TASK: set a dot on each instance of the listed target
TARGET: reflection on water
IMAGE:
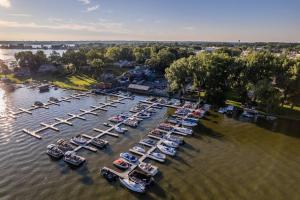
(2, 102)
(225, 159)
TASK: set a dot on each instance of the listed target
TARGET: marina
(210, 150)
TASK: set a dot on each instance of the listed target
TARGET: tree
(113, 54)
(267, 95)
(55, 58)
(97, 65)
(75, 58)
(26, 59)
(161, 60)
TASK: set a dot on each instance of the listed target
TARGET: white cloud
(19, 15)
(93, 8)
(96, 27)
(189, 28)
(85, 1)
(5, 3)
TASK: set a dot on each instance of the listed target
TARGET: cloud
(85, 1)
(5, 3)
(19, 15)
(189, 28)
(93, 8)
(96, 27)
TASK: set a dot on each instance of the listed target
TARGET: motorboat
(38, 103)
(64, 145)
(182, 111)
(167, 150)
(170, 143)
(158, 155)
(139, 149)
(108, 175)
(165, 127)
(151, 110)
(156, 133)
(189, 122)
(184, 130)
(54, 151)
(116, 119)
(71, 158)
(53, 99)
(173, 120)
(120, 163)
(148, 168)
(99, 142)
(129, 157)
(78, 139)
(199, 113)
(144, 115)
(131, 123)
(148, 141)
(106, 124)
(141, 177)
(178, 140)
(133, 186)
(120, 130)
(44, 88)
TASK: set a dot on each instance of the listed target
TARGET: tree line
(260, 77)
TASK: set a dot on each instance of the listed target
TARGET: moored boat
(99, 142)
(64, 145)
(133, 186)
(108, 175)
(139, 149)
(54, 151)
(170, 143)
(38, 103)
(148, 168)
(120, 163)
(78, 139)
(71, 158)
(148, 141)
(120, 130)
(158, 155)
(167, 150)
(184, 130)
(44, 88)
(129, 157)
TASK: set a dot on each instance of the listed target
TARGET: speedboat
(156, 133)
(106, 124)
(182, 111)
(116, 119)
(129, 157)
(189, 122)
(141, 177)
(99, 142)
(120, 163)
(178, 140)
(64, 145)
(167, 150)
(131, 123)
(144, 115)
(170, 143)
(71, 158)
(173, 120)
(53, 99)
(184, 130)
(54, 151)
(108, 175)
(148, 141)
(133, 186)
(158, 155)
(78, 139)
(165, 127)
(120, 130)
(148, 168)
(139, 149)
(38, 103)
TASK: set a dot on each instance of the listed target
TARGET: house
(124, 63)
(138, 88)
(47, 68)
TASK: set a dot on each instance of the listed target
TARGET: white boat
(184, 130)
(188, 123)
(148, 168)
(167, 150)
(79, 140)
(133, 186)
(170, 143)
(178, 140)
(158, 155)
(139, 149)
(72, 158)
(120, 130)
(144, 115)
(222, 110)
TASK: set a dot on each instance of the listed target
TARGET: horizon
(155, 21)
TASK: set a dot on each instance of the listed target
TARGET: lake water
(226, 158)
(8, 55)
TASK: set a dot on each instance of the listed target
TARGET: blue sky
(201, 20)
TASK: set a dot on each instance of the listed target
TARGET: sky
(151, 20)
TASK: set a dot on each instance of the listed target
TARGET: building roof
(138, 87)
